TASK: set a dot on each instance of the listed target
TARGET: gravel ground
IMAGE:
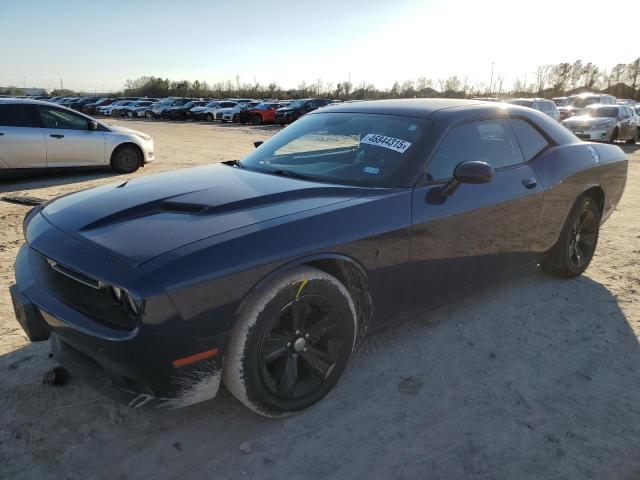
(531, 378)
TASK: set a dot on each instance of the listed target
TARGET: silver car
(605, 123)
(542, 104)
(35, 134)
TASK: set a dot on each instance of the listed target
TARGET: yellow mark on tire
(304, 282)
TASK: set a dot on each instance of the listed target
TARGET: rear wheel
(208, 117)
(126, 159)
(291, 343)
(573, 251)
(256, 119)
(148, 114)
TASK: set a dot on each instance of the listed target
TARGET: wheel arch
(597, 193)
(345, 269)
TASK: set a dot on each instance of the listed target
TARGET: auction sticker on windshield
(391, 143)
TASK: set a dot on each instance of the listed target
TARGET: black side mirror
(472, 172)
(257, 143)
(93, 125)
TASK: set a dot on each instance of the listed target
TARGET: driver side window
(490, 141)
(61, 119)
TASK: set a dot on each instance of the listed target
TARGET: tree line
(549, 81)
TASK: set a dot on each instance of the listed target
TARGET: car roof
(24, 100)
(413, 107)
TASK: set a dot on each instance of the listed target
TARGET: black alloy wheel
(301, 348)
(582, 243)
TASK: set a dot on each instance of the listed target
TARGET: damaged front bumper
(156, 365)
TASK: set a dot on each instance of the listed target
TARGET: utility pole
(61, 87)
(491, 82)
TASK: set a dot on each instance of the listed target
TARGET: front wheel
(635, 136)
(573, 251)
(614, 135)
(257, 119)
(291, 343)
(126, 159)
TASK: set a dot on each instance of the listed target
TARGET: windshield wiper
(234, 163)
(289, 173)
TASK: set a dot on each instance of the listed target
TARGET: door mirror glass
(473, 172)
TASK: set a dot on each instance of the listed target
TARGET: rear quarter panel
(568, 171)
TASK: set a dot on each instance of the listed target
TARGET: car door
(479, 231)
(69, 141)
(624, 122)
(22, 142)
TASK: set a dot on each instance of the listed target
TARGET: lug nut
(288, 344)
(297, 332)
(304, 349)
(306, 335)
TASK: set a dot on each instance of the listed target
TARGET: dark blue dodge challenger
(265, 272)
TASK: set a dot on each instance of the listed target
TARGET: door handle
(530, 182)
(56, 135)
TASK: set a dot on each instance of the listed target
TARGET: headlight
(604, 125)
(124, 298)
(116, 293)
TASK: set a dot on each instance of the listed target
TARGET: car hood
(285, 110)
(140, 219)
(587, 120)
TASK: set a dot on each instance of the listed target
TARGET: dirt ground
(531, 378)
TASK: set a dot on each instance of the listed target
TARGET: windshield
(611, 112)
(355, 149)
(584, 101)
(297, 104)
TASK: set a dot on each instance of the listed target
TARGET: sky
(97, 45)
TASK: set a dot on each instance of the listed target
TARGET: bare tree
(633, 74)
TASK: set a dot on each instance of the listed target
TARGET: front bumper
(591, 134)
(133, 367)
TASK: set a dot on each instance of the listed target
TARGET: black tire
(634, 139)
(126, 159)
(235, 118)
(614, 136)
(290, 343)
(115, 113)
(148, 114)
(572, 253)
(256, 119)
(208, 117)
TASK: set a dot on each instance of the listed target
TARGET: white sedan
(41, 135)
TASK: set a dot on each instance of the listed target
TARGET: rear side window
(490, 141)
(15, 116)
(531, 141)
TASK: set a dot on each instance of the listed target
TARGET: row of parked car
(591, 116)
(238, 110)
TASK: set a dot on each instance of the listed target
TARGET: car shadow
(42, 179)
(532, 377)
